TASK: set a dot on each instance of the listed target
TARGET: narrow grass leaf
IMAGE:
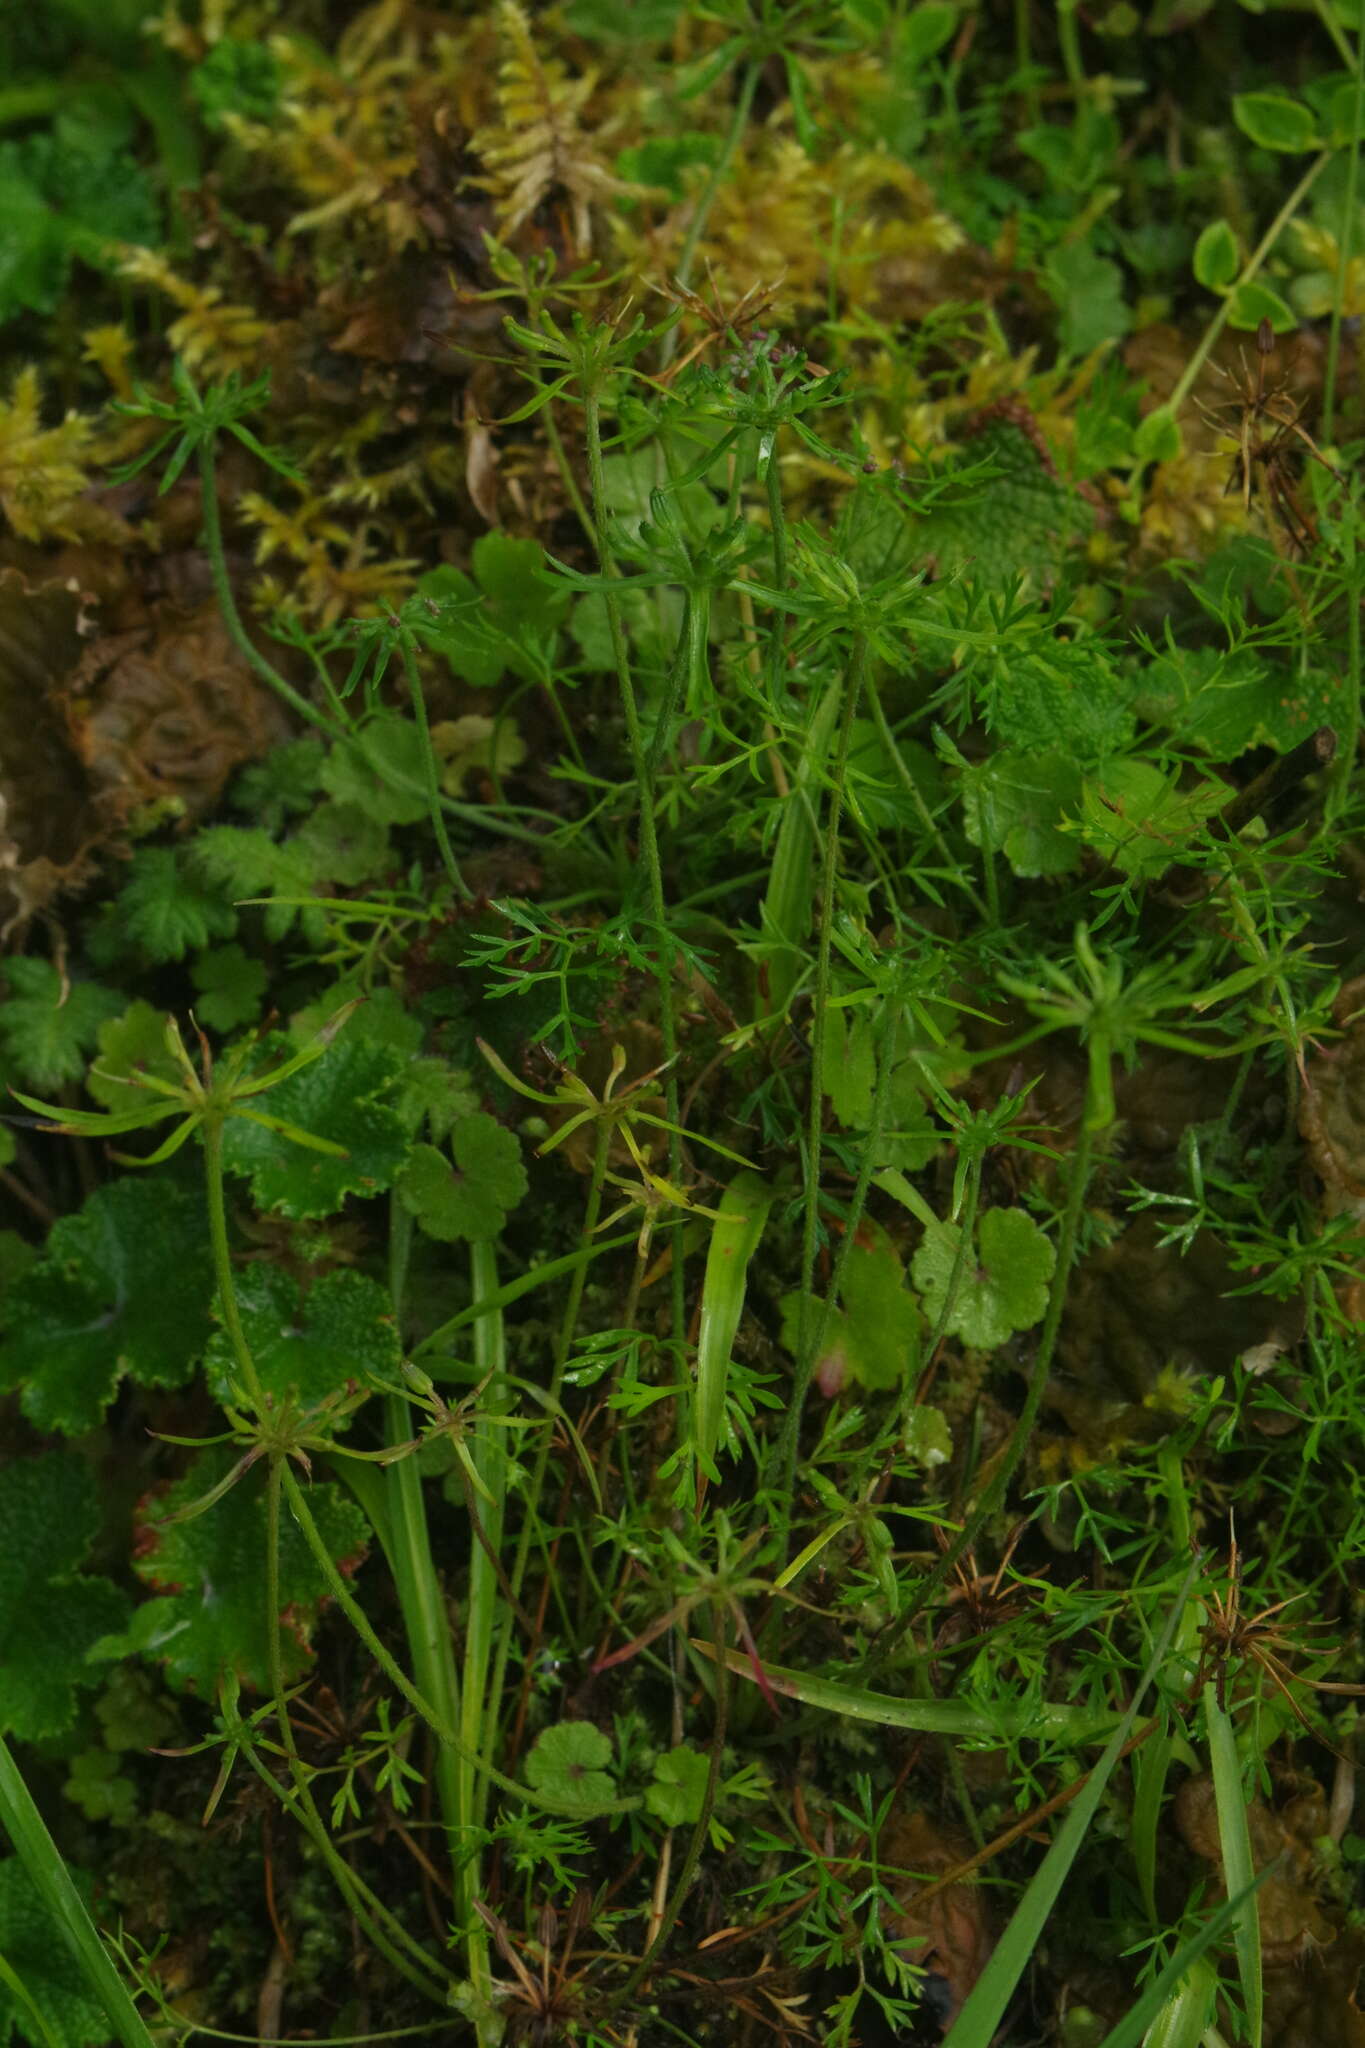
(39, 1855)
(735, 1234)
(1151, 1766)
(1132, 2028)
(1239, 1869)
(984, 2007)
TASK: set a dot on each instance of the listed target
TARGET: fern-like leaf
(536, 146)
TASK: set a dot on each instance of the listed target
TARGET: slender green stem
(429, 768)
(784, 1456)
(697, 1840)
(1249, 271)
(912, 789)
(479, 1707)
(1344, 247)
(1343, 770)
(815, 1116)
(211, 1131)
(744, 99)
(227, 602)
(394, 1672)
(649, 837)
(389, 1934)
(777, 630)
(999, 1484)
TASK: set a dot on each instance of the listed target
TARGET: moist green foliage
(309, 1341)
(48, 1027)
(470, 1194)
(345, 1099)
(51, 1613)
(123, 1288)
(208, 1618)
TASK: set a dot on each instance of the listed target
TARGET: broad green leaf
(1275, 122)
(1014, 803)
(342, 845)
(1216, 257)
(1075, 701)
(343, 1097)
(209, 1575)
(383, 774)
(1139, 820)
(123, 1286)
(568, 1761)
(874, 1337)
(1002, 1284)
(1225, 702)
(470, 1194)
(166, 911)
(309, 1341)
(922, 34)
(1254, 302)
(51, 1614)
(848, 1072)
(34, 1944)
(1158, 438)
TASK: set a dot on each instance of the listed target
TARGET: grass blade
(1161, 1991)
(739, 1224)
(984, 2007)
(39, 1855)
(1239, 1869)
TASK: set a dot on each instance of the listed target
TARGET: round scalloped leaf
(123, 1287)
(470, 1199)
(1002, 1290)
(567, 1760)
(35, 1947)
(1016, 802)
(309, 1341)
(210, 1572)
(50, 1614)
(340, 1097)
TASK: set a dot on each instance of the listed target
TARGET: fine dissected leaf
(209, 1574)
(311, 1341)
(343, 1097)
(34, 1944)
(50, 1613)
(471, 1197)
(1002, 1289)
(873, 1338)
(123, 1286)
(568, 1761)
